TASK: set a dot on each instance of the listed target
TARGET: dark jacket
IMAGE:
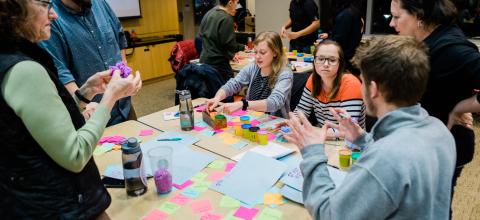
(455, 73)
(32, 185)
(201, 79)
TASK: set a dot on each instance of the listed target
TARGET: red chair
(181, 54)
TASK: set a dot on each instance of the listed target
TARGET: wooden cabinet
(151, 60)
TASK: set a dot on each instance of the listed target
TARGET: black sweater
(455, 73)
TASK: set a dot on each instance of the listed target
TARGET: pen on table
(170, 139)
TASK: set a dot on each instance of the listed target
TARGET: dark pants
(456, 174)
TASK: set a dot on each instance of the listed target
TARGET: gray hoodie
(405, 172)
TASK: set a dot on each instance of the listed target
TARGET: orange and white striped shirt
(349, 97)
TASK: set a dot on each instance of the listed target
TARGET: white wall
(251, 6)
(271, 15)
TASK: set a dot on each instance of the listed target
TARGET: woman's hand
(96, 84)
(229, 108)
(119, 87)
(462, 119)
(303, 133)
(89, 110)
(350, 129)
(212, 103)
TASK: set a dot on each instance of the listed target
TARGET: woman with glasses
(46, 165)
(268, 79)
(329, 86)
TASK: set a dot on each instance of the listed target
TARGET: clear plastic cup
(161, 165)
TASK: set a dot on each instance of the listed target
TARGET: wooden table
(124, 207)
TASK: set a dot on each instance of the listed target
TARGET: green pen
(170, 139)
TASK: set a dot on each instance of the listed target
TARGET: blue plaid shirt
(87, 42)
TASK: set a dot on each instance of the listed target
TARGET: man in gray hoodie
(406, 168)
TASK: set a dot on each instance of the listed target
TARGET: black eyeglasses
(48, 3)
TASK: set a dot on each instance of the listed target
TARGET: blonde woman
(268, 79)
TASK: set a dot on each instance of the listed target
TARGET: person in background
(46, 167)
(408, 161)
(304, 23)
(269, 80)
(329, 86)
(347, 29)
(455, 67)
(87, 38)
(218, 38)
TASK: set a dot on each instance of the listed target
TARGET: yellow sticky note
(236, 119)
(257, 113)
(224, 135)
(272, 198)
(230, 140)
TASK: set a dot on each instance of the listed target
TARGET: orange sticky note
(272, 198)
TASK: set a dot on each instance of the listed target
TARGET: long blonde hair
(279, 61)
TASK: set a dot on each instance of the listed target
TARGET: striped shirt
(349, 97)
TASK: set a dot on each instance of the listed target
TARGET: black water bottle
(133, 168)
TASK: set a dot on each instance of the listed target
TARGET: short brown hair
(317, 79)
(399, 65)
(13, 14)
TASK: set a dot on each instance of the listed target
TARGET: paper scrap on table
(217, 164)
(190, 193)
(199, 176)
(254, 123)
(231, 140)
(200, 186)
(146, 132)
(269, 214)
(258, 114)
(272, 198)
(185, 140)
(201, 206)
(197, 128)
(218, 131)
(201, 123)
(167, 116)
(239, 113)
(169, 207)
(246, 213)
(239, 145)
(114, 171)
(116, 139)
(229, 202)
(200, 108)
(251, 177)
(271, 137)
(229, 166)
(155, 214)
(180, 199)
(210, 216)
(230, 216)
(208, 132)
(216, 176)
(105, 147)
(183, 185)
(292, 194)
(272, 150)
(230, 123)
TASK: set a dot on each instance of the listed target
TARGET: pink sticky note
(201, 206)
(156, 214)
(216, 176)
(254, 123)
(210, 216)
(271, 136)
(146, 132)
(180, 199)
(229, 166)
(272, 117)
(197, 128)
(246, 213)
(200, 108)
(239, 113)
(230, 123)
(184, 185)
(218, 131)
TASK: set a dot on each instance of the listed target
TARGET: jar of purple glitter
(161, 164)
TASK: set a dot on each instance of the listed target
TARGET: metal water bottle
(186, 110)
(133, 168)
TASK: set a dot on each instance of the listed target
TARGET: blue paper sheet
(292, 194)
(185, 162)
(253, 175)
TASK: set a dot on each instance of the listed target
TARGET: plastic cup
(294, 52)
(253, 134)
(344, 158)
(246, 131)
(245, 119)
(238, 128)
(355, 156)
(161, 164)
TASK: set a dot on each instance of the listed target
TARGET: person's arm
(124, 56)
(309, 29)
(457, 115)
(47, 118)
(283, 30)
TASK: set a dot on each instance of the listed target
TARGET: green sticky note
(103, 149)
(269, 214)
(200, 186)
(169, 207)
(199, 177)
(217, 164)
(229, 202)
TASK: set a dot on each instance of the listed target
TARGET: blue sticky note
(201, 123)
(251, 177)
(292, 194)
(239, 145)
(208, 132)
(114, 171)
(190, 193)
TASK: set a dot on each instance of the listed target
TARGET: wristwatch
(245, 104)
(81, 97)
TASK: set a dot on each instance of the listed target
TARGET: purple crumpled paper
(124, 69)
